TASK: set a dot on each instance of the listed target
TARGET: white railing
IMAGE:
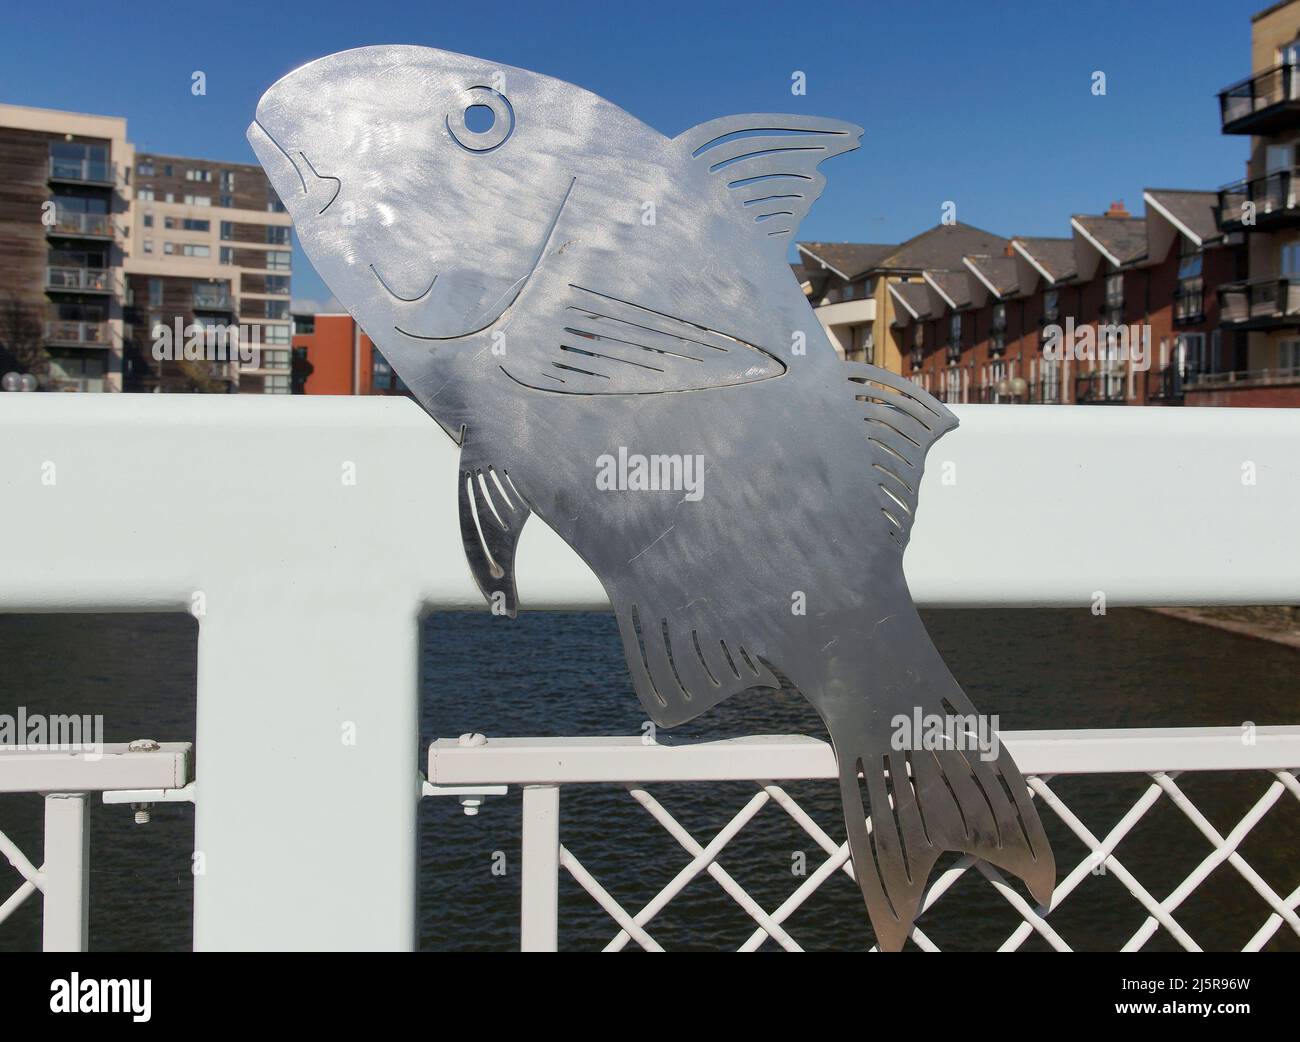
(306, 640)
(66, 781)
(542, 766)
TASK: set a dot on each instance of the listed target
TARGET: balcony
(1169, 384)
(1271, 199)
(81, 225)
(83, 172)
(78, 280)
(213, 298)
(1267, 303)
(847, 312)
(60, 333)
(1265, 103)
(1045, 392)
(1100, 388)
(1189, 302)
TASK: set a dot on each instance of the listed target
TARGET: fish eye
(481, 120)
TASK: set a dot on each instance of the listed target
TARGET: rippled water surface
(562, 674)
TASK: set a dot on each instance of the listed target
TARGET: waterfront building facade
(102, 250)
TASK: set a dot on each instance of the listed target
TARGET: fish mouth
(493, 313)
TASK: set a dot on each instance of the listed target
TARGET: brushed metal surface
(565, 286)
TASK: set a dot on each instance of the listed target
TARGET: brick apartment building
(1211, 280)
(973, 326)
(332, 355)
(101, 247)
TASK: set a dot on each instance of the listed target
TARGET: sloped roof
(998, 272)
(1197, 211)
(915, 295)
(954, 285)
(849, 259)
(941, 248)
(1054, 256)
(1124, 238)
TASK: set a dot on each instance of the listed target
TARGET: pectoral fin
(492, 515)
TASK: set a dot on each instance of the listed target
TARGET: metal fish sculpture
(603, 319)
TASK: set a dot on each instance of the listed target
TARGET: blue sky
(986, 104)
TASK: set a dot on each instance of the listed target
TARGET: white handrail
(309, 535)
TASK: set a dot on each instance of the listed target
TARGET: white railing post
(306, 819)
(539, 904)
(64, 876)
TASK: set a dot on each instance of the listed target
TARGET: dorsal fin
(768, 166)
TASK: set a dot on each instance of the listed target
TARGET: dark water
(563, 674)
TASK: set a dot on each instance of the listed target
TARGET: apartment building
(1265, 305)
(1118, 313)
(852, 285)
(102, 248)
(210, 247)
(64, 226)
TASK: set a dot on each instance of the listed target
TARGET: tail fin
(928, 793)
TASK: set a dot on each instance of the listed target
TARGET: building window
(954, 331)
(276, 335)
(1288, 356)
(146, 245)
(1051, 305)
(1115, 290)
(148, 220)
(277, 235)
(144, 195)
(198, 200)
(167, 170)
(275, 359)
(227, 180)
(155, 293)
(277, 308)
(227, 230)
(226, 201)
(305, 324)
(278, 284)
(279, 260)
(198, 175)
(145, 168)
(1289, 259)
(227, 255)
(275, 385)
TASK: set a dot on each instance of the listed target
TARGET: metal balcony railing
(84, 334)
(89, 225)
(1261, 202)
(1105, 387)
(209, 299)
(1263, 103)
(1045, 392)
(1170, 384)
(83, 171)
(1264, 303)
(279, 674)
(79, 280)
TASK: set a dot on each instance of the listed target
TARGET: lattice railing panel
(1102, 855)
